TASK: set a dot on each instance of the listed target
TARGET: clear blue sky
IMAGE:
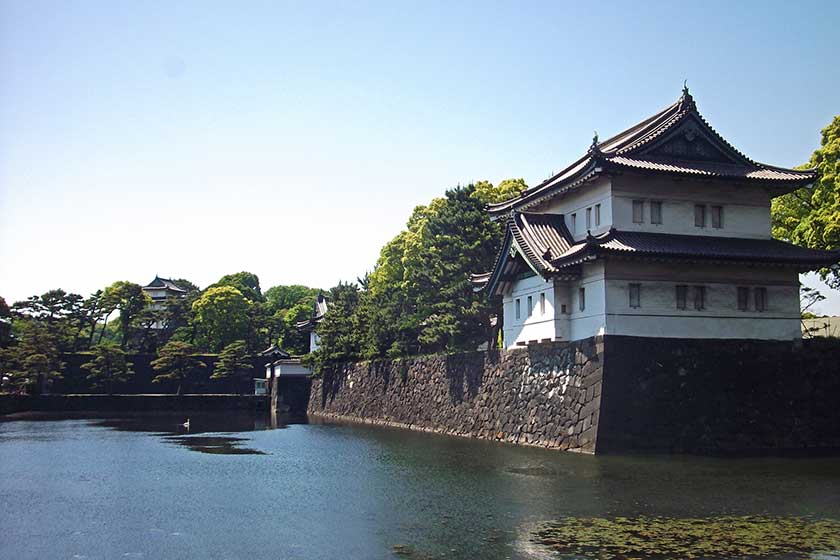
(193, 139)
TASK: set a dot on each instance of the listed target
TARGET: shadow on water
(215, 445)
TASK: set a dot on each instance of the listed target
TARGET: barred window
(589, 218)
(635, 295)
(699, 297)
(699, 215)
(582, 299)
(656, 212)
(717, 217)
(682, 296)
(574, 223)
(743, 299)
(542, 303)
(518, 308)
(638, 212)
(761, 299)
(597, 215)
(530, 306)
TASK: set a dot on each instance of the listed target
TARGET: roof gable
(693, 140)
(674, 141)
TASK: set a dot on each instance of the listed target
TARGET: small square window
(717, 217)
(682, 296)
(743, 299)
(530, 306)
(518, 308)
(589, 218)
(582, 299)
(542, 304)
(597, 215)
(638, 212)
(699, 298)
(700, 215)
(761, 299)
(635, 295)
(563, 308)
(656, 212)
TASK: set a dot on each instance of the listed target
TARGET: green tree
(286, 297)
(507, 189)
(221, 316)
(32, 356)
(247, 283)
(338, 332)
(176, 361)
(109, 367)
(810, 216)
(233, 363)
(408, 306)
(458, 240)
(5, 323)
(130, 299)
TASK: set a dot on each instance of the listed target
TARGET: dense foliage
(810, 216)
(233, 362)
(418, 298)
(108, 367)
(120, 320)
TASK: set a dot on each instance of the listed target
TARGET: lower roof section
(696, 247)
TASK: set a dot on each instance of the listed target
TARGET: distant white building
(319, 309)
(160, 290)
(660, 231)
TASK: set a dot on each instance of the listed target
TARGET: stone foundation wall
(612, 394)
(546, 395)
(721, 396)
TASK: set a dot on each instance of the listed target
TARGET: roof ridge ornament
(594, 149)
(687, 100)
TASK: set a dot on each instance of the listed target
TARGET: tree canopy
(109, 367)
(222, 316)
(810, 216)
(418, 298)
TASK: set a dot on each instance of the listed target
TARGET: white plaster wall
(314, 341)
(287, 368)
(532, 325)
(592, 320)
(577, 201)
(746, 208)
(658, 315)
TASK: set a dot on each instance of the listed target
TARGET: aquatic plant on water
(665, 538)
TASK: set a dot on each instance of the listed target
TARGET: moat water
(143, 487)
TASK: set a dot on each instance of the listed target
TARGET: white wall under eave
(590, 321)
(746, 208)
(576, 202)
(532, 325)
(314, 341)
(658, 315)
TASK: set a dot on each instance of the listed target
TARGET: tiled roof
(694, 247)
(538, 238)
(319, 309)
(708, 169)
(543, 237)
(159, 282)
(676, 140)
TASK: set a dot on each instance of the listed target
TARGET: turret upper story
(635, 202)
(672, 173)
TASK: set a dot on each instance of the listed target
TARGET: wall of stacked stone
(720, 396)
(612, 394)
(545, 395)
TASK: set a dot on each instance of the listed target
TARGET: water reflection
(232, 487)
(216, 445)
